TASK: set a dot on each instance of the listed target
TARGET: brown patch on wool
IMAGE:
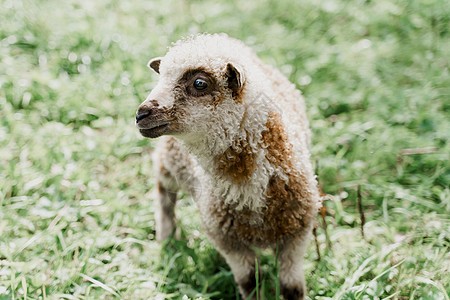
(190, 76)
(237, 163)
(186, 95)
(288, 201)
(288, 205)
(280, 220)
(279, 150)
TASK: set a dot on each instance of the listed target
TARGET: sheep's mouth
(155, 131)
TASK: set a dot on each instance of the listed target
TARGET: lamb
(236, 137)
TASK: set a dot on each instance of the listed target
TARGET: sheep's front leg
(292, 278)
(242, 263)
(165, 212)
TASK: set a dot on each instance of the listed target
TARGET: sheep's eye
(200, 84)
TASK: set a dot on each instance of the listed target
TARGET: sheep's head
(199, 92)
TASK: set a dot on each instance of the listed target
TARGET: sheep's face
(191, 102)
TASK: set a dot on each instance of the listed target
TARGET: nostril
(140, 117)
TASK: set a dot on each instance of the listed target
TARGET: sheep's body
(242, 151)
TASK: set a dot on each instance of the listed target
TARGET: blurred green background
(76, 211)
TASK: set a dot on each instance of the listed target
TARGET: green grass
(76, 207)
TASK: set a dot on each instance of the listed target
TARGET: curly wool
(244, 156)
(265, 90)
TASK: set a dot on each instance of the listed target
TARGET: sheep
(235, 135)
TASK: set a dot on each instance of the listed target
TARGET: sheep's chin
(155, 132)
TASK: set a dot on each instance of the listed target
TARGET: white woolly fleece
(221, 127)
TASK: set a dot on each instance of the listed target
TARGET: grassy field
(76, 204)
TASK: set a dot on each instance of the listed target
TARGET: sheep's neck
(235, 159)
(238, 174)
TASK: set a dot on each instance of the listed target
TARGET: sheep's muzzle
(151, 120)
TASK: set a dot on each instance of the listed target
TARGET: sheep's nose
(141, 116)
(146, 109)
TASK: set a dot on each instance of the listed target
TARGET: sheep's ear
(235, 76)
(154, 64)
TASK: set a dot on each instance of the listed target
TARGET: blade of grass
(257, 278)
(437, 285)
(379, 275)
(277, 270)
(24, 287)
(363, 269)
(44, 293)
(100, 284)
